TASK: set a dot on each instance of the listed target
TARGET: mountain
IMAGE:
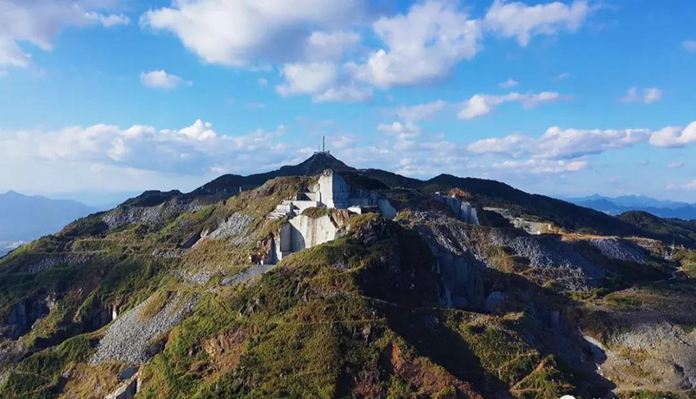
(449, 287)
(677, 231)
(618, 205)
(24, 218)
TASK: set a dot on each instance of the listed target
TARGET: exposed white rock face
(462, 210)
(530, 226)
(304, 232)
(334, 191)
(127, 390)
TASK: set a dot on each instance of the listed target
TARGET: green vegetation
(39, 375)
(360, 316)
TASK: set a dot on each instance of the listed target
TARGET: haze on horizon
(567, 98)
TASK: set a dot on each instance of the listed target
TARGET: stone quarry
(331, 192)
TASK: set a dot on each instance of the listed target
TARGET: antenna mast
(323, 143)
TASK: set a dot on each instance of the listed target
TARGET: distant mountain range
(626, 203)
(25, 218)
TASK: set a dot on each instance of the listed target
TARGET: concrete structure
(463, 210)
(331, 191)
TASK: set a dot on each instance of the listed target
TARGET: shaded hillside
(681, 232)
(491, 193)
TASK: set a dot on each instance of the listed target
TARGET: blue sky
(564, 98)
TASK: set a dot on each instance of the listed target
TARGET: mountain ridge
(621, 204)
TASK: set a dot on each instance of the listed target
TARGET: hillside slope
(168, 295)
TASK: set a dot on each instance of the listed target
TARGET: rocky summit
(320, 280)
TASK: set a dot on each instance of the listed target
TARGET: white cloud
(516, 19)
(689, 45)
(647, 95)
(690, 185)
(108, 21)
(512, 145)
(559, 144)
(349, 92)
(193, 150)
(322, 46)
(40, 21)
(307, 78)
(542, 166)
(419, 112)
(322, 81)
(508, 84)
(674, 136)
(402, 131)
(483, 104)
(160, 79)
(676, 165)
(249, 32)
(422, 45)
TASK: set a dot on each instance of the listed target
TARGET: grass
(39, 375)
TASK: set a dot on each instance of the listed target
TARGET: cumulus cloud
(160, 79)
(40, 21)
(543, 166)
(415, 113)
(559, 144)
(362, 45)
(422, 45)
(508, 84)
(321, 80)
(483, 104)
(689, 45)
(674, 136)
(248, 32)
(647, 95)
(402, 131)
(335, 45)
(516, 19)
(193, 150)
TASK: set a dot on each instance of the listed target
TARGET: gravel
(248, 274)
(52, 261)
(154, 215)
(554, 259)
(128, 339)
(234, 226)
(669, 354)
(614, 248)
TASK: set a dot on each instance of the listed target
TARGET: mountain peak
(315, 164)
